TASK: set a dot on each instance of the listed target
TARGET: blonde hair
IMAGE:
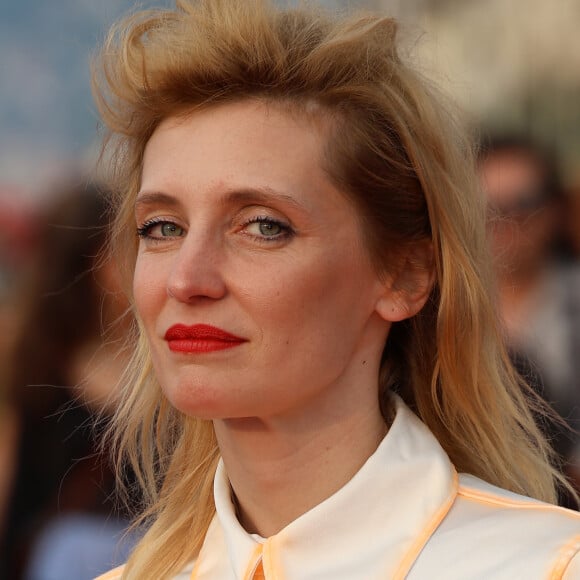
(397, 152)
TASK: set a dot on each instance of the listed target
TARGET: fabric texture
(405, 514)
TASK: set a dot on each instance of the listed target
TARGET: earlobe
(393, 308)
(405, 293)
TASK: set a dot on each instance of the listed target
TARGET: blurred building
(512, 65)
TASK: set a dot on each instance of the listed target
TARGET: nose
(196, 272)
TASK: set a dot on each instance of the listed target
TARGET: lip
(200, 338)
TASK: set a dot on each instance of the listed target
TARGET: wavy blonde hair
(397, 152)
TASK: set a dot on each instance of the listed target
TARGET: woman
(318, 353)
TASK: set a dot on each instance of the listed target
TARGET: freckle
(364, 362)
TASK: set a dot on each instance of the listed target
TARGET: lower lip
(201, 345)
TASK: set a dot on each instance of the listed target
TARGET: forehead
(241, 146)
(252, 140)
(234, 132)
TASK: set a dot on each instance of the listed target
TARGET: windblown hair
(398, 153)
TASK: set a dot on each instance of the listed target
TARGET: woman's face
(252, 282)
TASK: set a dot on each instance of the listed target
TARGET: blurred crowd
(65, 322)
(62, 356)
(534, 236)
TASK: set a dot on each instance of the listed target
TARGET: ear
(408, 285)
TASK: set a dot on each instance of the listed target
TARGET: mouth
(200, 338)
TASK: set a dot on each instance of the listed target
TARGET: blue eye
(159, 229)
(267, 229)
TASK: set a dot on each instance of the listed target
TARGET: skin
(250, 235)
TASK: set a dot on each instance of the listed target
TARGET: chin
(201, 401)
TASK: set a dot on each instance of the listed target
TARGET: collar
(373, 527)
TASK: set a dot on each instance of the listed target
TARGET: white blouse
(405, 514)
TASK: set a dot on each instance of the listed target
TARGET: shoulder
(504, 503)
(493, 533)
(114, 574)
(536, 521)
(522, 531)
(117, 573)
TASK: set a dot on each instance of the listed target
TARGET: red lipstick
(200, 338)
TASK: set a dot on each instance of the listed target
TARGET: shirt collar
(372, 527)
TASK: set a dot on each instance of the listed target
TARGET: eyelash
(143, 231)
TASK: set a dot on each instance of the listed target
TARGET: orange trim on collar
(416, 548)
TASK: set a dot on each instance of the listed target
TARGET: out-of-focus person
(574, 217)
(17, 235)
(67, 358)
(538, 276)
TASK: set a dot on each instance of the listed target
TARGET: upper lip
(200, 332)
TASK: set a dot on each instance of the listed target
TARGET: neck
(279, 469)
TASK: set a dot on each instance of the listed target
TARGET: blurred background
(510, 65)
(513, 67)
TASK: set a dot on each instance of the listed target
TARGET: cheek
(148, 289)
(314, 299)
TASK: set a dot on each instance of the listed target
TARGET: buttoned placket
(255, 567)
(259, 572)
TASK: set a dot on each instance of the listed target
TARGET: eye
(267, 229)
(157, 229)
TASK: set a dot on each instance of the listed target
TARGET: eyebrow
(156, 198)
(258, 195)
